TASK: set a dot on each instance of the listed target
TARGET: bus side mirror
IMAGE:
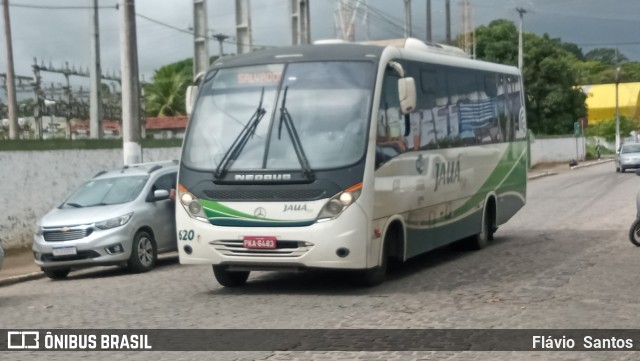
(407, 94)
(190, 98)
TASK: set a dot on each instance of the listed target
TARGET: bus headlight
(191, 204)
(338, 203)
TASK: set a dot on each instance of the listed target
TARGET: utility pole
(448, 20)
(617, 111)
(243, 26)
(221, 38)
(12, 105)
(200, 41)
(521, 11)
(468, 36)
(95, 73)
(429, 31)
(131, 147)
(407, 18)
(300, 33)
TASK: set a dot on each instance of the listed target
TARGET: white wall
(557, 150)
(33, 182)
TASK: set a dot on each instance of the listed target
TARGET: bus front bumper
(340, 243)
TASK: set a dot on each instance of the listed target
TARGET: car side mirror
(160, 194)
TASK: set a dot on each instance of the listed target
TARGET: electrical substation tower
(345, 16)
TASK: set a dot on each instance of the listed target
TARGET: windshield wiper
(285, 118)
(241, 140)
(76, 205)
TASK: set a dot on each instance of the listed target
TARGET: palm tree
(166, 95)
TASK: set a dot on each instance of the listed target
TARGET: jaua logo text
(295, 208)
(447, 173)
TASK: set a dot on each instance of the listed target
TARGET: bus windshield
(325, 104)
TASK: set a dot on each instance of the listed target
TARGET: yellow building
(601, 101)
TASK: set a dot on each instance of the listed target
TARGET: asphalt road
(563, 262)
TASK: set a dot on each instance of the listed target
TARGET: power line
(603, 44)
(165, 24)
(58, 7)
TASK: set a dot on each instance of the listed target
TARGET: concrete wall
(33, 182)
(556, 150)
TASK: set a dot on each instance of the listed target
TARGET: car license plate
(64, 251)
(259, 242)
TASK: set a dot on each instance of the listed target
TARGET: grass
(56, 144)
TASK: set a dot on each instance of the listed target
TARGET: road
(563, 262)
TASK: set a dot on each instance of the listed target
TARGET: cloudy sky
(59, 31)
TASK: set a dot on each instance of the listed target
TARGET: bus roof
(335, 50)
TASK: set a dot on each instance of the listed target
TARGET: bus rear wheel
(230, 278)
(480, 240)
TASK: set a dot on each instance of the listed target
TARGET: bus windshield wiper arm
(285, 118)
(241, 140)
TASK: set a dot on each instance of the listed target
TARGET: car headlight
(338, 203)
(39, 231)
(191, 204)
(114, 222)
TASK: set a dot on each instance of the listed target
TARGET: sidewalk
(19, 266)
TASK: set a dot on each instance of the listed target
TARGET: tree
(606, 56)
(574, 49)
(552, 100)
(607, 128)
(165, 96)
(498, 42)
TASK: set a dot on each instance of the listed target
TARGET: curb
(21, 278)
(540, 175)
(593, 163)
(584, 165)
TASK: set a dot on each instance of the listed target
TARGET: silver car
(628, 157)
(121, 217)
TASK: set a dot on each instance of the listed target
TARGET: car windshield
(107, 191)
(327, 106)
(630, 148)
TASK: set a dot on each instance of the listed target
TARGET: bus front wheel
(376, 275)
(230, 278)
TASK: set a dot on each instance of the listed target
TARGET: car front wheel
(57, 274)
(143, 253)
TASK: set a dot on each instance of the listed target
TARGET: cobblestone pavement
(563, 262)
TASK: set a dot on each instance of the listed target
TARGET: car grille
(48, 257)
(284, 249)
(58, 235)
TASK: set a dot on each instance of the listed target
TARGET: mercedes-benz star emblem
(260, 212)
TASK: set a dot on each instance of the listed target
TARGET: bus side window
(389, 141)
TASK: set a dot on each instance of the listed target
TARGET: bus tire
(480, 240)
(376, 275)
(230, 278)
(634, 232)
